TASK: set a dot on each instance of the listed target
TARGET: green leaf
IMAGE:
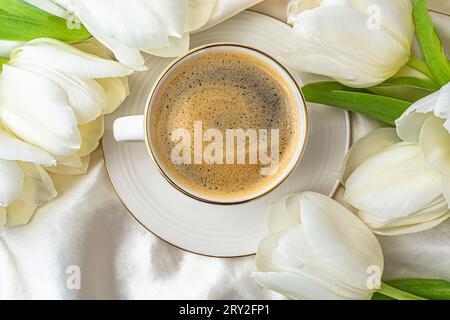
(404, 93)
(430, 43)
(382, 108)
(2, 62)
(426, 288)
(420, 66)
(380, 296)
(412, 82)
(388, 292)
(21, 21)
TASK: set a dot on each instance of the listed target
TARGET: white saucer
(221, 231)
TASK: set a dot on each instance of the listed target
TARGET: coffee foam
(225, 90)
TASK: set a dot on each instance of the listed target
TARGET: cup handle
(129, 129)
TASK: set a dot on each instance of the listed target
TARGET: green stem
(334, 94)
(397, 294)
(2, 62)
(430, 43)
(420, 66)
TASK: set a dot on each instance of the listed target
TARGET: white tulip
(400, 186)
(157, 27)
(6, 46)
(360, 43)
(427, 123)
(52, 95)
(24, 184)
(392, 186)
(318, 250)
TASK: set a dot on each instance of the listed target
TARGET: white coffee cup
(136, 128)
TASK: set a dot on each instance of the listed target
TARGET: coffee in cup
(225, 124)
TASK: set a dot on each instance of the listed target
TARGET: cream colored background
(87, 226)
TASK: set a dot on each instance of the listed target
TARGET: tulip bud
(24, 184)
(67, 92)
(427, 123)
(157, 27)
(358, 43)
(392, 186)
(320, 251)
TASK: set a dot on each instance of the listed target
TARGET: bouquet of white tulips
(52, 100)
(57, 124)
(396, 181)
(318, 249)
(64, 65)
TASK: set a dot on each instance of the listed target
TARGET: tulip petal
(426, 218)
(130, 57)
(224, 10)
(11, 182)
(294, 286)
(339, 239)
(38, 186)
(7, 46)
(73, 161)
(295, 7)
(446, 188)
(284, 214)
(80, 169)
(373, 53)
(2, 216)
(322, 64)
(127, 27)
(198, 14)
(310, 204)
(365, 148)
(395, 17)
(175, 47)
(293, 252)
(51, 7)
(19, 213)
(288, 252)
(414, 228)
(41, 117)
(86, 97)
(12, 148)
(117, 89)
(93, 46)
(264, 254)
(394, 183)
(442, 108)
(69, 60)
(330, 250)
(91, 133)
(435, 144)
(409, 125)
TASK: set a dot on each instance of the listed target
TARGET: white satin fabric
(88, 232)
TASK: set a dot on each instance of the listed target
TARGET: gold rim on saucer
(167, 241)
